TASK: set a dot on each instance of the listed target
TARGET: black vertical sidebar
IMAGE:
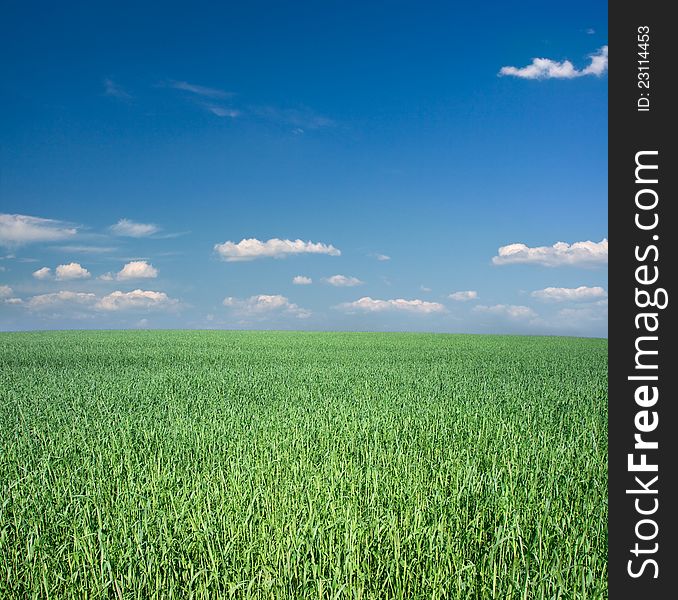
(643, 348)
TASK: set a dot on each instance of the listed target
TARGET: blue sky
(411, 160)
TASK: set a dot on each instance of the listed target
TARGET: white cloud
(577, 316)
(5, 291)
(127, 228)
(60, 299)
(265, 304)
(579, 294)
(199, 90)
(302, 280)
(252, 248)
(84, 249)
(221, 111)
(137, 269)
(425, 289)
(561, 253)
(111, 88)
(382, 257)
(13, 301)
(43, 273)
(70, 271)
(106, 277)
(137, 299)
(342, 281)
(508, 310)
(23, 229)
(545, 68)
(464, 296)
(370, 305)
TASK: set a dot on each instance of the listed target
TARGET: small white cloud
(370, 305)
(382, 257)
(302, 280)
(43, 273)
(221, 111)
(60, 299)
(425, 289)
(464, 296)
(545, 68)
(509, 310)
(263, 305)
(13, 301)
(579, 294)
(112, 89)
(106, 277)
(71, 271)
(5, 291)
(137, 269)
(252, 248)
(342, 281)
(590, 31)
(16, 230)
(199, 90)
(137, 299)
(561, 253)
(127, 228)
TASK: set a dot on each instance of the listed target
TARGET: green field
(302, 465)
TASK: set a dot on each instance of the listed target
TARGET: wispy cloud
(507, 310)
(578, 294)
(343, 281)
(299, 118)
(561, 253)
(464, 296)
(200, 90)
(85, 249)
(252, 248)
(221, 111)
(371, 305)
(128, 228)
(545, 68)
(17, 230)
(263, 305)
(6, 291)
(114, 90)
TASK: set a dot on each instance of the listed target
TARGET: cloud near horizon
(586, 253)
(263, 305)
(16, 230)
(115, 301)
(252, 248)
(545, 68)
(370, 305)
(507, 310)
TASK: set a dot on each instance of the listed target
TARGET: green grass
(302, 465)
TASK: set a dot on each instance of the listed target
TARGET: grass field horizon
(288, 464)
